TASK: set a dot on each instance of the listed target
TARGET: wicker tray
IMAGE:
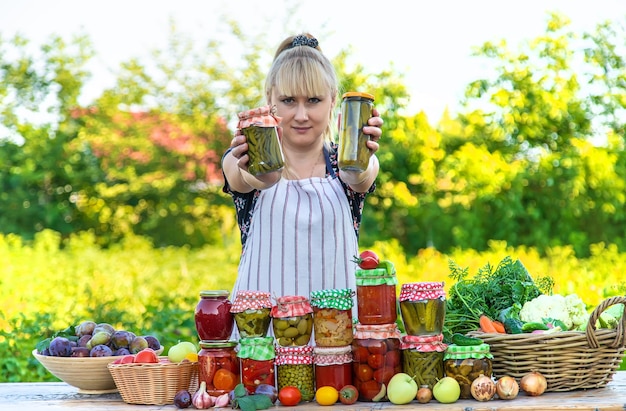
(569, 360)
(154, 384)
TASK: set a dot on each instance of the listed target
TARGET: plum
(60, 347)
(101, 351)
(121, 352)
(104, 327)
(138, 344)
(182, 399)
(85, 328)
(83, 340)
(267, 389)
(153, 342)
(80, 352)
(121, 339)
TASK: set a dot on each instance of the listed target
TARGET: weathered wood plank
(60, 396)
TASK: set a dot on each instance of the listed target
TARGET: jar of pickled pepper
(218, 366)
(375, 359)
(376, 295)
(292, 320)
(333, 366)
(257, 357)
(251, 310)
(466, 363)
(213, 319)
(423, 307)
(422, 358)
(294, 367)
(332, 317)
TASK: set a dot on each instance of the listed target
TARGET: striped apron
(301, 239)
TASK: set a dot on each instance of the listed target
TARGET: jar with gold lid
(218, 366)
(466, 363)
(212, 316)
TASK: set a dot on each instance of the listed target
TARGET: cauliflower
(570, 309)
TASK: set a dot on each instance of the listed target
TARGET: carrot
(499, 327)
(486, 324)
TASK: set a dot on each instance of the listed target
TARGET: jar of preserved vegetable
(294, 367)
(257, 357)
(466, 363)
(332, 317)
(214, 321)
(218, 366)
(292, 320)
(423, 307)
(333, 366)
(251, 310)
(356, 110)
(375, 359)
(422, 358)
(376, 295)
(260, 126)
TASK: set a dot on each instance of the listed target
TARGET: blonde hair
(303, 70)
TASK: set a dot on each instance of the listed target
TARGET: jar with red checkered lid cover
(292, 320)
(251, 310)
(423, 308)
(294, 367)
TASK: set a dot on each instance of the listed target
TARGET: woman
(300, 225)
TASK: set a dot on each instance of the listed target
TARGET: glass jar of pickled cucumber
(292, 320)
(466, 363)
(218, 366)
(260, 126)
(251, 310)
(375, 359)
(333, 366)
(423, 307)
(214, 321)
(332, 317)
(257, 357)
(422, 358)
(356, 110)
(376, 295)
(294, 367)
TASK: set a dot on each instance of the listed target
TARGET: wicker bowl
(89, 374)
(154, 384)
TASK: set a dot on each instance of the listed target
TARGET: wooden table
(60, 396)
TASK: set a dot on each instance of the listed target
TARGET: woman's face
(304, 118)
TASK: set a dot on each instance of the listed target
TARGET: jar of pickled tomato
(465, 363)
(294, 367)
(257, 357)
(376, 295)
(214, 321)
(422, 358)
(292, 320)
(251, 310)
(423, 307)
(375, 359)
(333, 366)
(332, 317)
(218, 366)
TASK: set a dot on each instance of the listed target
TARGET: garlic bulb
(202, 399)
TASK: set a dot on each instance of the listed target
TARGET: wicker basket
(569, 360)
(154, 384)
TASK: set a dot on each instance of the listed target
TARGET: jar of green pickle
(422, 358)
(423, 307)
(292, 320)
(251, 310)
(332, 317)
(294, 367)
(466, 363)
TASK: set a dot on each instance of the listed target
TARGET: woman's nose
(301, 112)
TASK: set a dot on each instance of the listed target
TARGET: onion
(507, 388)
(424, 394)
(533, 383)
(483, 388)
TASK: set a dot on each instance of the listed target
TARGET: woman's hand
(373, 129)
(239, 150)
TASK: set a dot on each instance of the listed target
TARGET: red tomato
(392, 358)
(360, 354)
(368, 390)
(289, 396)
(367, 260)
(348, 394)
(377, 347)
(375, 361)
(364, 372)
(383, 375)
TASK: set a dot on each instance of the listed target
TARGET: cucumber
(513, 326)
(460, 339)
(533, 326)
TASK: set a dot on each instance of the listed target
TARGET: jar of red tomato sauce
(294, 367)
(218, 366)
(333, 366)
(375, 359)
(257, 357)
(376, 295)
(214, 321)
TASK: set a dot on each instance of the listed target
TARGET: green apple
(447, 390)
(178, 352)
(401, 389)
